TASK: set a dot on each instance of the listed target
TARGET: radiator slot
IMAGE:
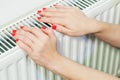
(8, 42)
(87, 50)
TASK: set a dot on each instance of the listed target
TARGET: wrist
(102, 27)
(46, 59)
(57, 65)
(98, 26)
(53, 63)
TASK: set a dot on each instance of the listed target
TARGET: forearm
(110, 33)
(73, 71)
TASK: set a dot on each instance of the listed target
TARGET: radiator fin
(89, 51)
(7, 42)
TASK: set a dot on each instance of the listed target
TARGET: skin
(36, 41)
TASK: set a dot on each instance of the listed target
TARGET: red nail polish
(13, 34)
(39, 18)
(43, 27)
(54, 27)
(39, 11)
(14, 31)
(22, 27)
(44, 9)
(17, 40)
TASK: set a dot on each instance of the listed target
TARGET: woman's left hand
(69, 20)
(39, 44)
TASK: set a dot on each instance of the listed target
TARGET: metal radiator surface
(87, 50)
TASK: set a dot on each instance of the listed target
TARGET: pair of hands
(41, 44)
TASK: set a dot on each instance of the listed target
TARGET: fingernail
(39, 18)
(22, 27)
(43, 27)
(13, 34)
(55, 5)
(14, 31)
(39, 11)
(44, 9)
(54, 27)
(17, 40)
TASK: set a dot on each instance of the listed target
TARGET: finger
(49, 32)
(34, 31)
(54, 10)
(27, 34)
(25, 40)
(63, 29)
(62, 7)
(26, 48)
(52, 20)
(67, 8)
(52, 14)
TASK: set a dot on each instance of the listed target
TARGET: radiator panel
(87, 50)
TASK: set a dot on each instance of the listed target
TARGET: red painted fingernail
(22, 27)
(14, 31)
(44, 9)
(13, 34)
(39, 11)
(54, 27)
(43, 27)
(17, 40)
(39, 18)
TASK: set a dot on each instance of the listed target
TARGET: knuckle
(20, 32)
(21, 38)
(25, 39)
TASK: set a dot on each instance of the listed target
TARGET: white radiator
(87, 50)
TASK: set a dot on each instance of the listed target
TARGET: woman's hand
(40, 45)
(69, 20)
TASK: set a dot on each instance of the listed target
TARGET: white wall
(10, 9)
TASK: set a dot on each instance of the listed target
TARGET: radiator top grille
(7, 42)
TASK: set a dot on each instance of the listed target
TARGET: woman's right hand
(69, 20)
